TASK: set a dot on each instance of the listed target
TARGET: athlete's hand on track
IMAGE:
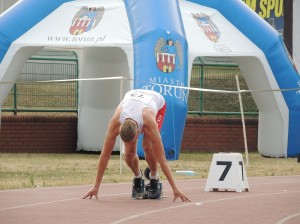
(178, 194)
(92, 192)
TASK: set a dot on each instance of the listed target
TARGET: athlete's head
(128, 130)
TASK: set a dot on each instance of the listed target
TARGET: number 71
(227, 165)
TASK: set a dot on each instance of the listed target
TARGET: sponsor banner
(269, 10)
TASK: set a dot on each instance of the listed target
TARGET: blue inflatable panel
(160, 63)
(271, 43)
(22, 17)
(161, 51)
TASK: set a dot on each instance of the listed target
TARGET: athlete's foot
(154, 189)
(137, 186)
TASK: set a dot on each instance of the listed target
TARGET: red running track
(274, 200)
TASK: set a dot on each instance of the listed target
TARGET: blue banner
(161, 64)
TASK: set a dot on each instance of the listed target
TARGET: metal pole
(243, 119)
(121, 149)
(15, 99)
(201, 86)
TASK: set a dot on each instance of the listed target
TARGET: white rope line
(160, 84)
(65, 80)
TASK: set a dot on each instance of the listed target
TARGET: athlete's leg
(149, 156)
(153, 186)
(131, 158)
(147, 145)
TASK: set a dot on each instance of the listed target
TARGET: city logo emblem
(86, 19)
(168, 54)
(207, 26)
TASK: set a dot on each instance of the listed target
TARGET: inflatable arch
(154, 43)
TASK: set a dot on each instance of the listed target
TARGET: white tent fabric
(254, 67)
(114, 59)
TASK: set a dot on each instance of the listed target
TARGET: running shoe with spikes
(154, 189)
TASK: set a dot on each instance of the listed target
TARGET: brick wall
(58, 134)
(53, 134)
(219, 135)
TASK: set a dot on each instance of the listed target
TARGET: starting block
(146, 194)
(227, 173)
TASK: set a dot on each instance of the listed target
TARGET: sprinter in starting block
(141, 112)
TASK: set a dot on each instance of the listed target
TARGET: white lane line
(36, 204)
(71, 199)
(197, 204)
(288, 218)
(58, 187)
(267, 178)
(52, 202)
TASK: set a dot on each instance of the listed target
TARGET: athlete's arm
(152, 132)
(109, 142)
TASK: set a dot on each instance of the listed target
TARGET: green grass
(46, 170)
